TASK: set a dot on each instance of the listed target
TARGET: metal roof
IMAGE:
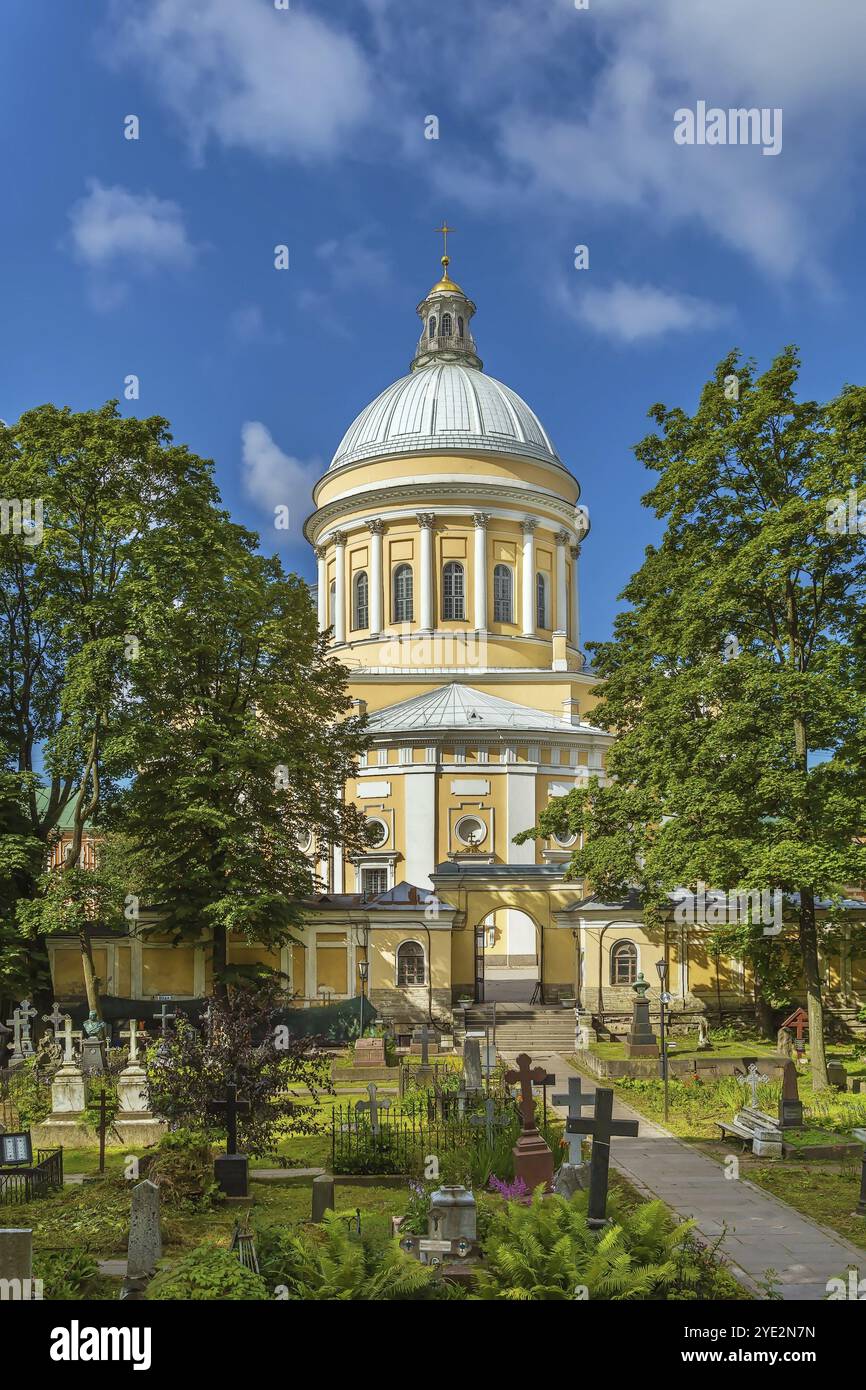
(457, 706)
(445, 406)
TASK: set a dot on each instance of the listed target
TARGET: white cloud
(349, 263)
(277, 82)
(638, 313)
(274, 479)
(247, 324)
(136, 232)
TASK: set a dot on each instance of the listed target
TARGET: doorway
(507, 957)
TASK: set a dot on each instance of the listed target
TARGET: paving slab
(762, 1232)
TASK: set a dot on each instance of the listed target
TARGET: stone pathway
(762, 1232)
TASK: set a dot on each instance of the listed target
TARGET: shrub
(546, 1251)
(208, 1273)
(67, 1275)
(330, 1263)
(182, 1165)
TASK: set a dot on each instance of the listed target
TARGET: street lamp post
(662, 968)
(363, 971)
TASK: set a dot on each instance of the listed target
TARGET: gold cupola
(445, 313)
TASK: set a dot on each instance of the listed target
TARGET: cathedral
(448, 536)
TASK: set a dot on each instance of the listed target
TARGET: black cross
(602, 1127)
(231, 1107)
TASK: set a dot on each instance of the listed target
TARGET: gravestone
(65, 1125)
(641, 1041)
(704, 1044)
(533, 1161)
(763, 1130)
(21, 1046)
(135, 1123)
(602, 1127)
(837, 1076)
(16, 1258)
(472, 1066)
(572, 1175)
(424, 1072)
(489, 1119)
(93, 1059)
(373, 1105)
(231, 1169)
(784, 1045)
(323, 1197)
(370, 1052)
(144, 1249)
(790, 1104)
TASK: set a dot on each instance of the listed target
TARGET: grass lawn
(687, 1046)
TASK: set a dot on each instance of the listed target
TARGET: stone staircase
(532, 1028)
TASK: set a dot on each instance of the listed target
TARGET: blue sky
(306, 127)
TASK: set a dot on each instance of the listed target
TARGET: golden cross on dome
(445, 229)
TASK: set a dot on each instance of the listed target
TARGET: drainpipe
(601, 971)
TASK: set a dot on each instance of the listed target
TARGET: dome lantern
(445, 313)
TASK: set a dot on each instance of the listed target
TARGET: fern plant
(333, 1264)
(546, 1251)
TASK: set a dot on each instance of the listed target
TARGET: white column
(481, 519)
(375, 527)
(575, 596)
(528, 528)
(339, 539)
(562, 540)
(425, 612)
(322, 588)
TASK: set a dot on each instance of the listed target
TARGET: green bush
(546, 1251)
(208, 1273)
(182, 1164)
(30, 1096)
(331, 1263)
(67, 1275)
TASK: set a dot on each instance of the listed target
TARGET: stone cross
(163, 1017)
(230, 1108)
(55, 1018)
(374, 1105)
(525, 1078)
(132, 1033)
(602, 1127)
(753, 1079)
(575, 1100)
(21, 1046)
(425, 1040)
(489, 1119)
(68, 1054)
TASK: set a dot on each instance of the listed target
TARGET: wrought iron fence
(18, 1185)
(398, 1144)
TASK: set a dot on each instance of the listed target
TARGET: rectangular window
(374, 882)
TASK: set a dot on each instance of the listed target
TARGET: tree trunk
(220, 961)
(814, 1000)
(718, 990)
(90, 980)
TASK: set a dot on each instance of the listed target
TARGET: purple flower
(510, 1191)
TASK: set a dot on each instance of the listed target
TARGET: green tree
(735, 680)
(242, 760)
(106, 489)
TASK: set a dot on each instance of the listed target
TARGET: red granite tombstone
(370, 1052)
(533, 1161)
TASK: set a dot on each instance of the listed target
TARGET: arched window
(360, 600)
(623, 963)
(453, 591)
(540, 601)
(503, 608)
(410, 963)
(332, 599)
(445, 330)
(459, 327)
(431, 327)
(403, 594)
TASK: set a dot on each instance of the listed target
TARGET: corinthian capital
(481, 519)
(375, 525)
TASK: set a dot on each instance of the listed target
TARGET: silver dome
(445, 407)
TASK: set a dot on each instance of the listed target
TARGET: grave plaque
(790, 1104)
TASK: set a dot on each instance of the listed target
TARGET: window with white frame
(623, 963)
(374, 880)
(403, 597)
(453, 592)
(360, 600)
(540, 601)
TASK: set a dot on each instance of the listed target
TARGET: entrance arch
(508, 956)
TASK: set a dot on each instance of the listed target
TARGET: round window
(471, 830)
(565, 841)
(305, 841)
(377, 832)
